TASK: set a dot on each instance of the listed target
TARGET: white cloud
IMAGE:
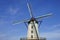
(53, 27)
(51, 35)
(14, 38)
(12, 10)
(2, 35)
(54, 34)
(7, 37)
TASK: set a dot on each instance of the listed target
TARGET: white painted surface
(30, 29)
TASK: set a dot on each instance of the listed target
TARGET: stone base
(33, 39)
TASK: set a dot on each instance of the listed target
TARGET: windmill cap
(32, 19)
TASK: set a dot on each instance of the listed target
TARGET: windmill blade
(26, 25)
(29, 8)
(17, 22)
(35, 30)
(44, 16)
(40, 22)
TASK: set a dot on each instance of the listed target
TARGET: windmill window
(32, 31)
(32, 27)
(31, 36)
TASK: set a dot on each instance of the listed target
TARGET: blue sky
(16, 10)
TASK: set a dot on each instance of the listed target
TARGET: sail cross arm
(44, 16)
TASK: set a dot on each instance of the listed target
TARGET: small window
(32, 31)
(31, 36)
(32, 27)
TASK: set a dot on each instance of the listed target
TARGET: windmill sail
(36, 30)
(29, 8)
(32, 24)
(23, 21)
(43, 16)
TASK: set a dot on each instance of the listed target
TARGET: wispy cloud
(12, 10)
(6, 37)
(52, 35)
(53, 27)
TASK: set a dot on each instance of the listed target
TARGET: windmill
(32, 33)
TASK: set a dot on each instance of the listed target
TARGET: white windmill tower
(32, 33)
